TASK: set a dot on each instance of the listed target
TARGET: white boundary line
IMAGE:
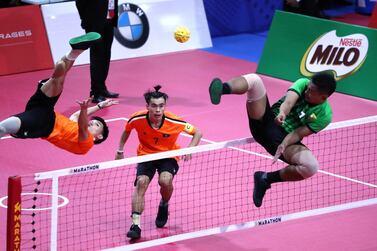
(346, 178)
(65, 202)
(251, 224)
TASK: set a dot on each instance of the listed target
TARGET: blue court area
(242, 46)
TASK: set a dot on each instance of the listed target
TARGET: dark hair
(325, 82)
(105, 131)
(155, 94)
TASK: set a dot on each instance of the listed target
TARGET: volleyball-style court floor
(185, 77)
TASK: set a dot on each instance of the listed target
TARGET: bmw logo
(133, 27)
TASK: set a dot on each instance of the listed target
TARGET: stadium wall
(239, 16)
(365, 6)
(300, 46)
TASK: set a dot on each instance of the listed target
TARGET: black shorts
(38, 119)
(266, 132)
(162, 165)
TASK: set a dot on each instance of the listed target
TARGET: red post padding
(14, 214)
(373, 19)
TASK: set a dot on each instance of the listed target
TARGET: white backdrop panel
(63, 22)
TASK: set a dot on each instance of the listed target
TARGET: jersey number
(155, 140)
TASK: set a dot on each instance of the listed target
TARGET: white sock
(2, 131)
(73, 54)
(9, 126)
(136, 219)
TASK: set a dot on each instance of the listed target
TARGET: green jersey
(316, 117)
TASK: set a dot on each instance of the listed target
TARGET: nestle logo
(16, 34)
(343, 55)
(350, 42)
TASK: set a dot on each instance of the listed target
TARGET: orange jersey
(65, 135)
(158, 140)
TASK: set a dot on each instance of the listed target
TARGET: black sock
(274, 177)
(226, 89)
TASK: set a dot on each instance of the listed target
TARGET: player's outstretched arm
(292, 138)
(93, 109)
(286, 107)
(83, 119)
(196, 138)
(123, 139)
(194, 142)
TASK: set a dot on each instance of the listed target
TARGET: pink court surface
(185, 77)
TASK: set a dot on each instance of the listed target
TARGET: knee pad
(256, 89)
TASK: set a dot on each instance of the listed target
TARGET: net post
(14, 214)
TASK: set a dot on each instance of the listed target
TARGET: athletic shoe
(85, 41)
(97, 99)
(162, 216)
(134, 232)
(109, 94)
(215, 91)
(260, 188)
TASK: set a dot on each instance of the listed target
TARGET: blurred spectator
(9, 3)
(305, 7)
(313, 8)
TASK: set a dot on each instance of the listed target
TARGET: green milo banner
(300, 46)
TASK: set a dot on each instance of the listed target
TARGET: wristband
(120, 151)
(99, 107)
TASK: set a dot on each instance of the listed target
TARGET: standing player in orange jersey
(157, 131)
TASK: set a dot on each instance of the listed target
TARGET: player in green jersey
(279, 128)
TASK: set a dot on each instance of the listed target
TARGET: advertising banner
(146, 27)
(299, 46)
(23, 41)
